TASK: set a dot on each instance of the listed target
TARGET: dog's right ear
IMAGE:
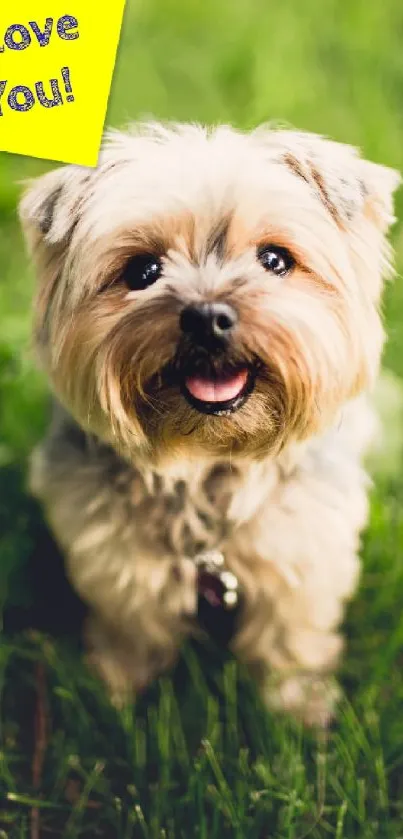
(50, 208)
(49, 212)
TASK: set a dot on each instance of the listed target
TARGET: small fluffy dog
(208, 318)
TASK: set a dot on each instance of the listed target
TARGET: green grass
(199, 758)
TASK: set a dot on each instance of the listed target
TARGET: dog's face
(210, 291)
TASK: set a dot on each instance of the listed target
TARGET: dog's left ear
(378, 184)
(346, 184)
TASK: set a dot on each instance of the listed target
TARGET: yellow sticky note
(56, 65)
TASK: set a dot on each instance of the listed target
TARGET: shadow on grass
(34, 589)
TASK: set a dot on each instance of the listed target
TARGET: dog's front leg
(297, 564)
(289, 642)
(140, 597)
(135, 628)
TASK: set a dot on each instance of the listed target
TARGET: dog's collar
(219, 598)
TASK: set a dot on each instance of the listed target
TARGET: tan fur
(278, 486)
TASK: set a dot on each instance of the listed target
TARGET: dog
(208, 317)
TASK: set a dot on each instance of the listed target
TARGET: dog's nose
(208, 322)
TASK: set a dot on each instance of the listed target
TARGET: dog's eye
(142, 271)
(276, 259)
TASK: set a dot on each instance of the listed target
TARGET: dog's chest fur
(192, 507)
(185, 512)
(196, 505)
(176, 515)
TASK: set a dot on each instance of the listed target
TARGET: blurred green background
(336, 68)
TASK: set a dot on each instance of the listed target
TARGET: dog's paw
(310, 698)
(114, 663)
(115, 676)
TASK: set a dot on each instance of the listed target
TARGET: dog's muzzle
(208, 383)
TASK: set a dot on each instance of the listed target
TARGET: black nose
(208, 323)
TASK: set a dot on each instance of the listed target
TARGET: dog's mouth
(218, 393)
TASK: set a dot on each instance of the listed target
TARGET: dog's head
(210, 290)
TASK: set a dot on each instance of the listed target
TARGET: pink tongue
(217, 390)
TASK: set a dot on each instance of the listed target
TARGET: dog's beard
(129, 377)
